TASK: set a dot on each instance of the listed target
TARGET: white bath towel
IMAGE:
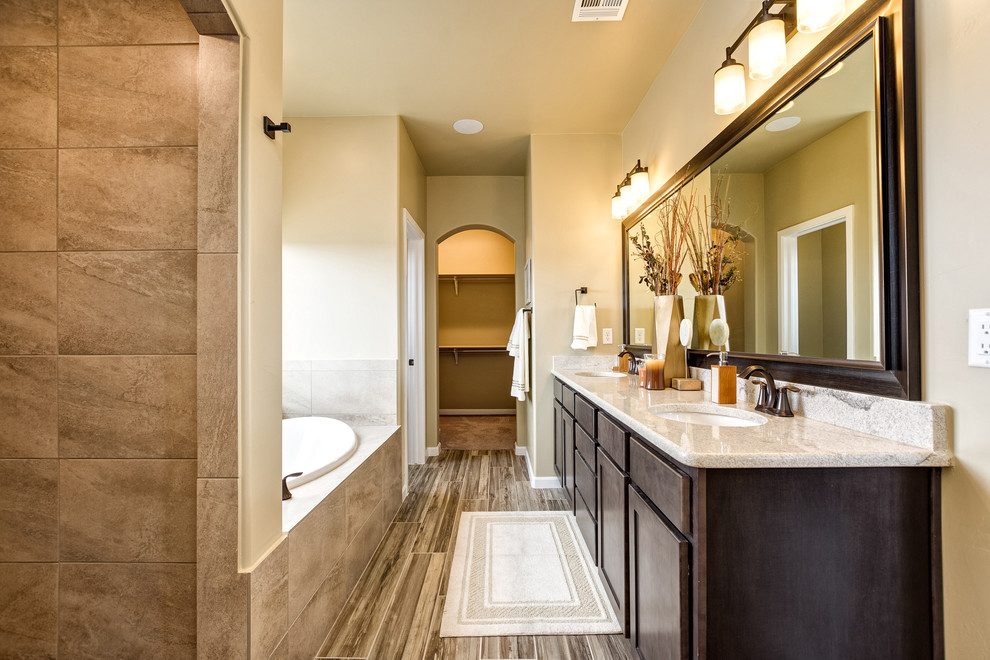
(518, 348)
(585, 327)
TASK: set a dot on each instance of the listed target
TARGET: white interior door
(415, 357)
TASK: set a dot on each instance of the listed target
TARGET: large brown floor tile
(222, 592)
(219, 127)
(28, 23)
(28, 97)
(98, 22)
(127, 303)
(308, 631)
(216, 364)
(28, 423)
(127, 199)
(315, 545)
(127, 406)
(127, 510)
(127, 96)
(127, 611)
(29, 510)
(27, 199)
(27, 307)
(28, 610)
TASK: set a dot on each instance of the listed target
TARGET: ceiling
(519, 66)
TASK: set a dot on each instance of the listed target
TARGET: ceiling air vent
(599, 10)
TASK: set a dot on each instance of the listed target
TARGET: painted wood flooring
(394, 611)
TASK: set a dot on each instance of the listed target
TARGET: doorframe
(787, 282)
(415, 334)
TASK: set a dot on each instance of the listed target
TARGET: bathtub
(314, 446)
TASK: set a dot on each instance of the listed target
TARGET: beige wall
(575, 243)
(667, 130)
(261, 278)
(476, 252)
(468, 202)
(339, 239)
(954, 93)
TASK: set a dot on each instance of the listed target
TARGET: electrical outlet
(979, 338)
(606, 336)
(639, 336)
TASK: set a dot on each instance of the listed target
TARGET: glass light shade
(730, 88)
(628, 201)
(640, 186)
(618, 208)
(818, 15)
(767, 49)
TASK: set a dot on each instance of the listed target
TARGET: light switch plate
(979, 338)
(606, 336)
(639, 336)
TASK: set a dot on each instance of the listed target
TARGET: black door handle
(411, 362)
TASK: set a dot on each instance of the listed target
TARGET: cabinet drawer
(584, 413)
(587, 526)
(613, 440)
(585, 445)
(667, 487)
(585, 481)
(567, 398)
(558, 390)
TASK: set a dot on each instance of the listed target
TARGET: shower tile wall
(98, 277)
(359, 392)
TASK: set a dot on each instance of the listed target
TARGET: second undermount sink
(601, 374)
(707, 415)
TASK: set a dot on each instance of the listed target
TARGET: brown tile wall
(99, 242)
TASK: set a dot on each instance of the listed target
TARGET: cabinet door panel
(659, 584)
(586, 525)
(613, 535)
(557, 439)
(567, 432)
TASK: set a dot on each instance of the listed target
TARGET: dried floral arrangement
(662, 264)
(711, 243)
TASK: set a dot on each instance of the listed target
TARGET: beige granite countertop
(780, 442)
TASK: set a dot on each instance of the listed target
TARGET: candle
(654, 372)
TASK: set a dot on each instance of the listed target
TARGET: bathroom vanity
(792, 538)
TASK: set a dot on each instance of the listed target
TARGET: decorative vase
(707, 308)
(668, 312)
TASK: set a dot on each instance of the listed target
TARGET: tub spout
(286, 495)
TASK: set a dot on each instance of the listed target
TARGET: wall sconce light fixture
(767, 34)
(632, 192)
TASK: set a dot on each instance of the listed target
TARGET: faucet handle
(763, 400)
(784, 405)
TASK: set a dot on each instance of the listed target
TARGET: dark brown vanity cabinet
(810, 563)
(563, 437)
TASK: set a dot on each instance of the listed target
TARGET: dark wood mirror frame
(898, 373)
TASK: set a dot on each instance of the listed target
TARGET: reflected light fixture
(818, 15)
(640, 179)
(730, 86)
(767, 46)
(618, 208)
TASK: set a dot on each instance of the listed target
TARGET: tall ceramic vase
(707, 308)
(668, 312)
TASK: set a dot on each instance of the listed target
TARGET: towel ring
(582, 290)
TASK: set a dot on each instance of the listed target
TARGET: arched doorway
(476, 305)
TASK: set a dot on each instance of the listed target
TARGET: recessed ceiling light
(790, 104)
(783, 124)
(468, 126)
(834, 70)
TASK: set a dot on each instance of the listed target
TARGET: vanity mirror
(818, 182)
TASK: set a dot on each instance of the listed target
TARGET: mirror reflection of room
(800, 199)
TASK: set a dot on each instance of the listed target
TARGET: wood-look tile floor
(394, 611)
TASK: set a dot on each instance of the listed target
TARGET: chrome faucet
(772, 400)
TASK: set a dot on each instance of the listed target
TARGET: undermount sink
(601, 374)
(707, 415)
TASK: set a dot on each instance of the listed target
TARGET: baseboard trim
(536, 482)
(433, 451)
(477, 411)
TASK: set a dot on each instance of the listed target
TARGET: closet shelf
(459, 350)
(456, 279)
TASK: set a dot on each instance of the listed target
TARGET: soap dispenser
(723, 374)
